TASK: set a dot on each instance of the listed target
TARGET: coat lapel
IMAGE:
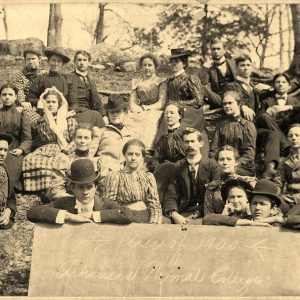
(214, 75)
(232, 67)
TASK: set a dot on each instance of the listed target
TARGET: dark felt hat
(5, 136)
(179, 52)
(32, 50)
(57, 51)
(82, 171)
(268, 188)
(228, 184)
(115, 102)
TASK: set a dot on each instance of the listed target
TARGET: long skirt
(144, 126)
(38, 167)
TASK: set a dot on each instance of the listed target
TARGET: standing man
(7, 182)
(87, 103)
(184, 199)
(217, 73)
(24, 78)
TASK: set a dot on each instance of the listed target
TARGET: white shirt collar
(223, 59)
(83, 74)
(80, 206)
(175, 126)
(179, 73)
(244, 80)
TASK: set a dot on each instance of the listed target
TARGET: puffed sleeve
(196, 89)
(111, 187)
(26, 139)
(152, 200)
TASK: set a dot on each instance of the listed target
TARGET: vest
(224, 79)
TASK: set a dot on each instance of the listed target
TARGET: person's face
(83, 139)
(231, 106)
(82, 63)
(84, 193)
(260, 207)
(32, 61)
(3, 150)
(294, 137)
(238, 198)
(176, 65)
(148, 67)
(244, 68)
(55, 63)
(172, 115)
(281, 85)
(191, 144)
(52, 103)
(134, 157)
(8, 96)
(116, 117)
(217, 51)
(227, 161)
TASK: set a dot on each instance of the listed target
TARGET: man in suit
(7, 182)
(84, 95)
(184, 199)
(217, 73)
(276, 114)
(85, 206)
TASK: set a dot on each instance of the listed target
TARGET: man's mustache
(190, 150)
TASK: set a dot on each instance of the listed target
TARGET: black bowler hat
(59, 51)
(230, 183)
(268, 188)
(115, 102)
(82, 171)
(179, 52)
(5, 136)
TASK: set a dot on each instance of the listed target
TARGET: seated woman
(133, 187)
(170, 146)
(147, 100)
(228, 159)
(84, 136)
(15, 123)
(187, 92)
(264, 202)
(55, 131)
(237, 132)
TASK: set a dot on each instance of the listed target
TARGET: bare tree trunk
(5, 22)
(288, 12)
(281, 40)
(295, 65)
(99, 32)
(54, 25)
(204, 48)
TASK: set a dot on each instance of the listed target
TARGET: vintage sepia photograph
(149, 149)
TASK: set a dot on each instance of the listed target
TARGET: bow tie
(217, 64)
(279, 97)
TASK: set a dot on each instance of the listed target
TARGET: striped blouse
(128, 187)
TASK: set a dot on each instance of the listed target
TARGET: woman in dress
(55, 131)
(236, 132)
(133, 187)
(147, 100)
(16, 123)
(187, 92)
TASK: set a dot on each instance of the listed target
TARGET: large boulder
(16, 47)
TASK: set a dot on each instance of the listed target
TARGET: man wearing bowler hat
(7, 182)
(264, 203)
(115, 135)
(54, 77)
(85, 206)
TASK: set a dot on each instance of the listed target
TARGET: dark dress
(240, 134)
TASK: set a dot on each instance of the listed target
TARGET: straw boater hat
(179, 52)
(82, 171)
(57, 51)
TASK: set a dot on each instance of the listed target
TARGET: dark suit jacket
(178, 194)
(75, 81)
(209, 75)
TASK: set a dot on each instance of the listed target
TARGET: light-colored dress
(146, 92)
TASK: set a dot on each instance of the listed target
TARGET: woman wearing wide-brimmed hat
(186, 91)
(54, 77)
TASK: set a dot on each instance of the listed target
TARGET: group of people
(149, 159)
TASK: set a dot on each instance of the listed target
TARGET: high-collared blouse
(127, 187)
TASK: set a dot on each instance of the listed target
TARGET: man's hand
(87, 215)
(71, 113)
(4, 218)
(262, 87)
(244, 222)
(179, 219)
(16, 152)
(76, 218)
(208, 62)
(105, 119)
(26, 105)
(274, 219)
(248, 113)
(136, 109)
